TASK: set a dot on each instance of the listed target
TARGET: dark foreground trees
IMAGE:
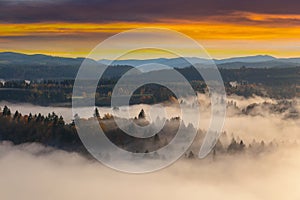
(51, 130)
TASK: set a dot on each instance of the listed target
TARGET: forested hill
(38, 66)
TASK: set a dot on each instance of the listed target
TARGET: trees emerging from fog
(51, 130)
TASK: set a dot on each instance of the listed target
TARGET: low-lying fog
(31, 171)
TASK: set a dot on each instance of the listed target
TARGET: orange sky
(272, 34)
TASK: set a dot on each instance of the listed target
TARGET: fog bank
(33, 172)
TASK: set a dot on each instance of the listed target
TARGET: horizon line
(77, 57)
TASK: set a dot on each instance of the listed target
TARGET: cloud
(19, 11)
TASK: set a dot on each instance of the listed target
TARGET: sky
(225, 28)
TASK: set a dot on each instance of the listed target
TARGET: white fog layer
(32, 172)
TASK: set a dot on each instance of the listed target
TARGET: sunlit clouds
(225, 28)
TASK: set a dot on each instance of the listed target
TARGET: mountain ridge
(5, 56)
(38, 66)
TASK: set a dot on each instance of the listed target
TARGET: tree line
(51, 130)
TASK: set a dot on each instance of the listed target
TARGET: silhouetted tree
(142, 114)
(96, 114)
(233, 146)
(29, 118)
(242, 145)
(16, 115)
(191, 155)
(61, 121)
(6, 111)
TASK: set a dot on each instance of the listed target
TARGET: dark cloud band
(21, 11)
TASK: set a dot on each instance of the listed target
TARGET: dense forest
(275, 82)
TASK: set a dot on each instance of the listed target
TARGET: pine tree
(242, 145)
(29, 117)
(6, 111)
(61, 121)
(96, 114)
(16, 115)
(142, 114)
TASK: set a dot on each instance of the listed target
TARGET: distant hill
(258, 61)
(172, 62)
(38, 66)
(247, 59)
(10, 59)
(276, 63)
